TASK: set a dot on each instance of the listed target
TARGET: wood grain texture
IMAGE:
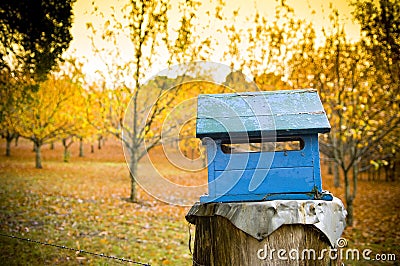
(219, 242)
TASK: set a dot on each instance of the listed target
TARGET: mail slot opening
(279, 145)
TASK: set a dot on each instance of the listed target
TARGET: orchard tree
(271, 81)
(10, 102)
(379, 26)
(51, 114)
(349, 81)
(72, 69)
(271, 42)
(153, 42)
(265, 46)
(34, 34)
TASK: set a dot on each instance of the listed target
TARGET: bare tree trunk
(349, 208)
(336, 175)
(38, 152)
(66, 145)
(133, 166)
(9, 139)
(66, 155)
(349, 199)
(355, 179)
(330, 171)
(81, 147)
(65, 150)
(91, 148)
(99, 142)
(16, 140)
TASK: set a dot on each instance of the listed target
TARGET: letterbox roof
(252, 114)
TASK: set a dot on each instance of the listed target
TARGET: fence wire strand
(77, 251)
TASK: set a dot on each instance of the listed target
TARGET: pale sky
(80, 46)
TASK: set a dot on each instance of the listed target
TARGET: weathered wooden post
(264, 207)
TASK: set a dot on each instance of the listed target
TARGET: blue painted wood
(315, 155)
(254, 160)
(262, 175)
(275, 180)
(261, 197)
(250, 115)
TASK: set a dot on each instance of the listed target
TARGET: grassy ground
(82, 204)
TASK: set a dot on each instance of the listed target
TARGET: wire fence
(77, 251)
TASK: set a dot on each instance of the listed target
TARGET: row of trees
(359, 86)
(357, 81)
(28, 52)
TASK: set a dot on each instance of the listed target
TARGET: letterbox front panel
(252, 160)
(293, 174)
(284, 180)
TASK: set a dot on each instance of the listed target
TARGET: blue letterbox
(262, 119)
